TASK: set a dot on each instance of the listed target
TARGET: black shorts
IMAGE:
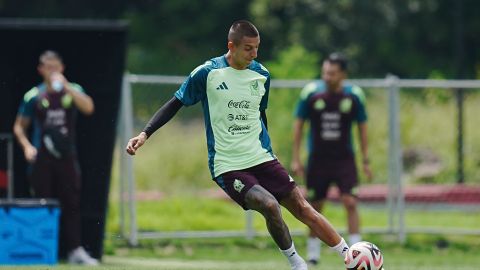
(56, 178)
(270, 175)
(321, 173)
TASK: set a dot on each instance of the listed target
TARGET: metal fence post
(396, 196)
(122, 166)
(459, 96)
(391, 154)
(127, 115)
(249, 230)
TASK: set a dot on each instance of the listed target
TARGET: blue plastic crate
(29, 232)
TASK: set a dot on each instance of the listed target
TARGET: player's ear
(230, 45)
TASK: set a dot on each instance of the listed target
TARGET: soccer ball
(364, 256)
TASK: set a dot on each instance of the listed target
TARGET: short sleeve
(77, 87)
(264, 101)
(301, 109)
(263, 71)
(27, 105)
(361, 112)
(193, 89)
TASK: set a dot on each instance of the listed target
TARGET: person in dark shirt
(51, 108)
(331, 107)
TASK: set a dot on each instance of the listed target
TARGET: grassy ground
(420, 252)
(190, 213)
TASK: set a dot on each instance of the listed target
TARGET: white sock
(354, 238)
(313, 248)
(341, 248)
(292, 256)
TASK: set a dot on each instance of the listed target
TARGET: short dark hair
(240, 29)
(48, 55)
(338, 59)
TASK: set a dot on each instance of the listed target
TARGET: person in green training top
(233, 89)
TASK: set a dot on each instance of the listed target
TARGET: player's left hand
(135, 143)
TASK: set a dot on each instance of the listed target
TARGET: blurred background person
(54, 172)
(331, 107)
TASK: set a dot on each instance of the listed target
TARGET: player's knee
(308, 212)
(270, 207)
(350, 203)
(304, 211)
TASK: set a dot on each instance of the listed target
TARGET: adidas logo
(222, 86)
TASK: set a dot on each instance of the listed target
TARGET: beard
(332, 85)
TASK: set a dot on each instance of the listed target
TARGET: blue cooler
(29, 231)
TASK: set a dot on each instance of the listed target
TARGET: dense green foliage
(409, 38)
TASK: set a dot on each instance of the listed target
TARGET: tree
(408, 38)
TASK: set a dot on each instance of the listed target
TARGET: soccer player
(54, 171)
(331, 107)
(233, 89)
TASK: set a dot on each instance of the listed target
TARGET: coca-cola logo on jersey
(244, 104)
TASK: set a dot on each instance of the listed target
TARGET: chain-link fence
(422, 139)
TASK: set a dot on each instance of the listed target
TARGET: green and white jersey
(232, 100)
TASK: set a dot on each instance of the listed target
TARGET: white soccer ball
(364, 256)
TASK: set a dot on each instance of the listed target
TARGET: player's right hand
(368, 173)
(135, 143)
(30, 153)
(297, 168)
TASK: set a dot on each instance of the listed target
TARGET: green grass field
(260, 253)
(409, 261)
(191, 213)
(420, 252)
